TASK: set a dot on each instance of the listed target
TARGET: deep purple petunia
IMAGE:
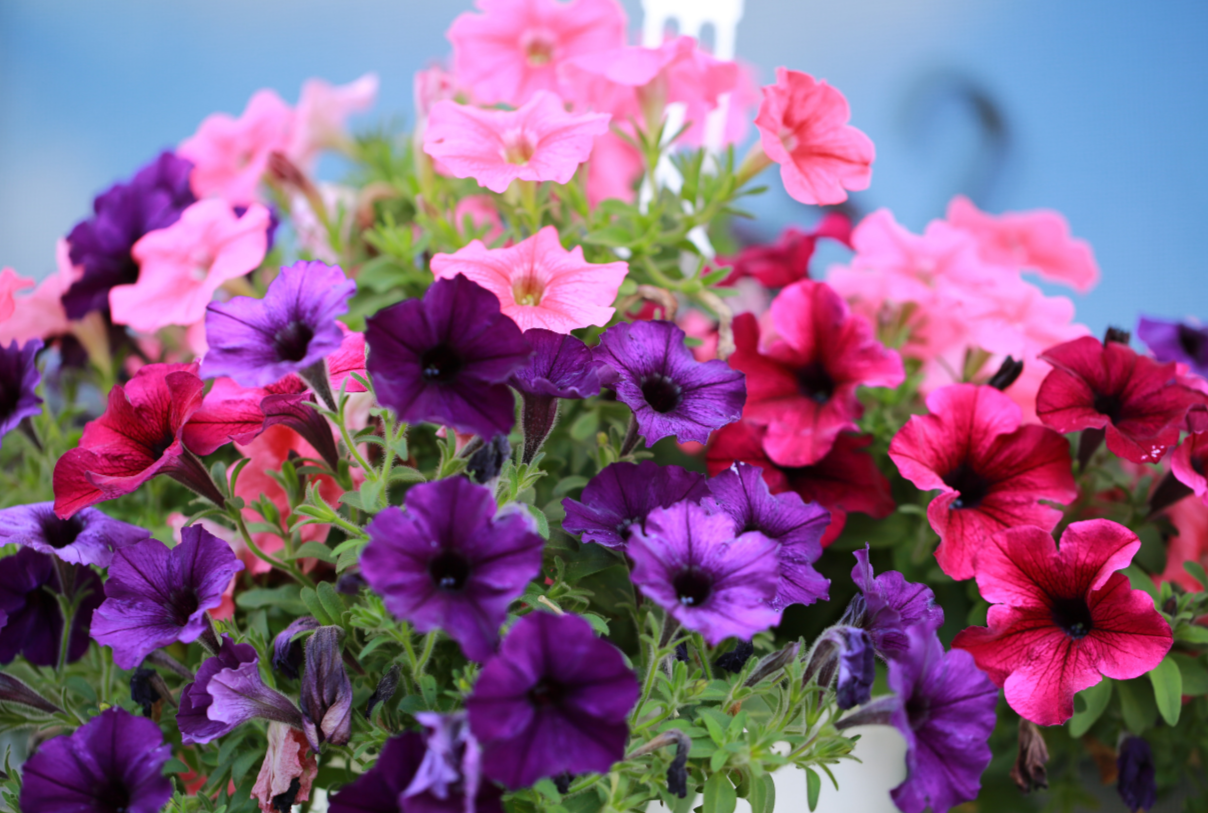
(691, 561)
(669, 391)
(554, 700)
(889, 605)
(449, 562)
(1136, 775)
(1176, 341)
(287, 653)
(257, 342)
(89, 537)
(785, 518)
(19, 379)
(326, 695)
(857, 667)
(153, 199)
(114, 762)
(31, 622)
(623, 494)
(445, 358)
(157, 595)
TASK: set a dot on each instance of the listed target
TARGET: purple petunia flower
(1136, 775)
(452, 766)
(113, 762)
(19, 379)
(889, 605)
(785, 518)
(1176, 341)
(89, 537)
(326, 690)
(690, 561)
(257, 342)
(669, 391)
(153, 199)
(449, 562)
(555, 699)
(623, 494)
(31, 622)
(157, 595)
(857, 667)
(446, 358)
(287, 653)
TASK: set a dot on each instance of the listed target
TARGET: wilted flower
(287, 653)
(288, 771)
(326, 690)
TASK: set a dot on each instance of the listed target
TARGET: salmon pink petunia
(803, 127)
(537, 142)
(539, 283)
(321, 116)
(230, 155)
(1189, 544)
(1062, 618)
(991, 471)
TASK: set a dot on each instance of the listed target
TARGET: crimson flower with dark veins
(991, 471)
(1062, 618)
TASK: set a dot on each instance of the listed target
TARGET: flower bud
(287, 653)
(1136, 780)
(326, 696)
(1029, 771)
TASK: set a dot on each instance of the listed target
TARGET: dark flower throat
(441, 364)
(1073, 616)
(693, 586)
(661, 393)
(970, 486)
(449, 571)
(293, 340)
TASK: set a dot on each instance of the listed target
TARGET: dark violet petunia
(153, 199)
(87, 538)
(31, 622)
(287, 653)
(786, 519)
(450, 562)
(889, 604)
(156, 596)
(857, 668)
(19, 379)
(554, 700)
(446, 358)
(669, 391)
(691, 561)
(326, 694)
(1176, 341)
(114, 762)
(1136, 774)
(622, 494)
(292, 329)
(1062, 618)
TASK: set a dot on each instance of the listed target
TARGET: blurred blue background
(1095, 109)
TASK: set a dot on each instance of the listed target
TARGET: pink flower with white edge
(538, 282)
(230, 155)
(803, 127)
(538, 142)
(321, 118)
(10, 283)
(40, 314)
(181, 267)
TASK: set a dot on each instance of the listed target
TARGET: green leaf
(1137, 704)
(1197, 572)
(1096, 699)
(311, 599)
(353, 498)
(1195, 675)
(1141, 580)
(1192, 633)
(813, 786)
(763, 794)
(598, 624)
(315, 550)
(719, 795)
(1167, 683)
(569, 484)
(542, 521)
(285, 597)
(331, 601)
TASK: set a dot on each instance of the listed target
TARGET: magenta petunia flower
(86, 538)
(539, 283)
(991, 471)
(540, 141)
(19, 379)
(31, 621)
(692, 560)
(802, 379)
(787, 260)
(622, 495)
(1062, 618)
(450, 562)
(555, 699)
(890, 605)
(1189, 464)
(1176, 341)
(803, 127)
(156, 596)
(445, 358)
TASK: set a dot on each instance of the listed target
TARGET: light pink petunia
(538, 142)
(513, 49)
(803, 127)
(181, 267)
(614, 169)
(321, 116)
(230, 155)
(40, 314)
(480, 213)
(10, 283)
(539, 283)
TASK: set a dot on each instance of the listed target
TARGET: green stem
(652, 670)
(260, 554)
(426, 654)
(370, 472)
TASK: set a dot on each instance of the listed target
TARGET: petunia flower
(450, 562)
(29, 609)
(539, 141)
(802, 381)
(10, 283)
(1062, 618)
(796, 527)
(326, 692)
(288, 771)
(87, 538)
(181, 267)
(287, 653)
(156, 596)
(697, 564)
(1189, 464)
(445, 358)
(115, 761)
(555, 699)
(669, 391)
(787, 259)
(1176, 341)
(19, 380)
(1109, 387)
(40, 314)
(622, 495)
(803, 127)
(320, 119)
(991, 471)
(515, 48)
(888, 605)
(539, 283)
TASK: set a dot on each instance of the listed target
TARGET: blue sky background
(1104, 102)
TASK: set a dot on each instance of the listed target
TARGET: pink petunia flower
(321, 117)
(40, 314)
(1062, 618)
(614, 170)
(1189, 463)
(803, 127)
(539, 283)
(181, 267)
(230, 155)
(538, 142)
(991, 471)
(10, 283)
(1189, 544)
(514, 48)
